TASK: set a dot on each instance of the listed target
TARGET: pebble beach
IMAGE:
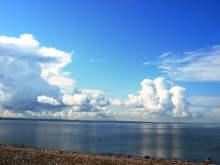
(10, 154)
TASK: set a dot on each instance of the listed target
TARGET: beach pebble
(147, 157)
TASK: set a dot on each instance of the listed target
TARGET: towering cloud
(159, 96)
(32, 82)
(26, 70)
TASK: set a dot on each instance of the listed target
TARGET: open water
(193, 142)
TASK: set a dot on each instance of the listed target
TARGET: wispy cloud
(146, 63)
(200, 65)
(165, 55)
(91, 91)
(96, 60)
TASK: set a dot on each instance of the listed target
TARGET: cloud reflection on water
(159, 140)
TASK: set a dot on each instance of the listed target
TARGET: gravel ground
(23, 155)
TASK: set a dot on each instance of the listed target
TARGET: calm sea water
(193, 142)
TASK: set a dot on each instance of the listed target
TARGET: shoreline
(120, 121)
(13, 154)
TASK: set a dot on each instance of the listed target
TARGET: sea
(183, 141)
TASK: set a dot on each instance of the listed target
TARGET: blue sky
(115, 45)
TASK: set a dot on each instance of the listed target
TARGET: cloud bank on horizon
(33, 84)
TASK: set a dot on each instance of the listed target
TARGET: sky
(139, 60)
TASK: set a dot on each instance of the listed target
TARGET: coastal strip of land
(11, 155)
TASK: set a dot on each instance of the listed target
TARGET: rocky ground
(23, 155)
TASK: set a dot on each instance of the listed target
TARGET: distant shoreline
(120, 121)
(11, 154)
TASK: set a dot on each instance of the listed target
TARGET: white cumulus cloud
(32, 82)
(47, 100)
(29, 71)
(160, 96)
(180, 104)
(79, 101)
(117, 102)
(75, 99)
